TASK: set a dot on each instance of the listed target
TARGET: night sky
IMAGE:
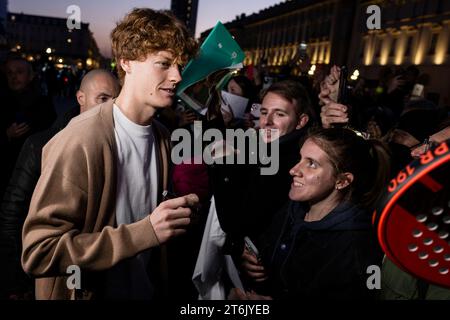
(102, 15)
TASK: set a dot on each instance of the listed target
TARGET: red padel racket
(413, 219)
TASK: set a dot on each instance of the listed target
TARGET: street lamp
(49, 50)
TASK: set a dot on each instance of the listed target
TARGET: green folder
(219, 51)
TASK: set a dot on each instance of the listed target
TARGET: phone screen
(417, 90)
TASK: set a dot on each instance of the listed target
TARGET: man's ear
(125, 65)
(81, 99)
(344, 180)
(302, 121)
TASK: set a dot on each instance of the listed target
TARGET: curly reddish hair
(144, 31)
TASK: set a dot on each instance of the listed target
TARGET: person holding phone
(24, 112)
(332, 112)
(320, 244)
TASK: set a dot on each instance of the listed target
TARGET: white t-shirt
(136, 169)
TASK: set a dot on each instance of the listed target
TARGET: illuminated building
(186, 11)
(335, 31)
(274, 34)
(414, 32)
(40, 37)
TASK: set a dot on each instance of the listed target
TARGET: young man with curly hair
(98, 204)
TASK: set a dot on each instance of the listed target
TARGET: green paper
(218, 51)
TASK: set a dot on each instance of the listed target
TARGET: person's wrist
(440, 136)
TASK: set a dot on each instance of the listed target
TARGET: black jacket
(15, 205)
(246, 201)
(27, 106)
(324, 259)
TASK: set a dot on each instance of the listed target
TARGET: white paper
(233, 273)
(237, 104)
(207, 276)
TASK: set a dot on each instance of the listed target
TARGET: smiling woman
(321, 245)
(355, 168)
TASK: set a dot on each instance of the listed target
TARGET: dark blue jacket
(324, 259)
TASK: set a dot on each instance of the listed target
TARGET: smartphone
(343, 92)
(343, 95)
(417, 90)
(251, 247)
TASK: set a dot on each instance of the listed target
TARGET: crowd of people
(95, 187)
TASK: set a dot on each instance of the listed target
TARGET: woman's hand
(238, 294)
(253, 267)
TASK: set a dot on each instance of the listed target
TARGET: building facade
(186, 11)
(274, 34)
(48, 38)
(412, 32)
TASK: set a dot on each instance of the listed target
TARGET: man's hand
(17, 130)
(329, 87)
(171, 217)
(333, 113)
